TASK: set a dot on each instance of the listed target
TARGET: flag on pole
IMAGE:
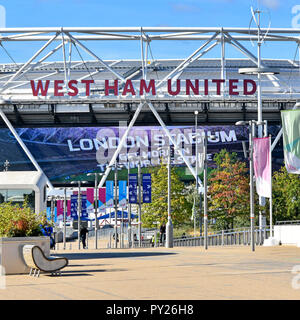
(291, 140)
(102, 199)
(110, 194)
(262, 166)
(60, 210)
(122, 193)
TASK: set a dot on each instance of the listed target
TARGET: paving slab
(180, 273)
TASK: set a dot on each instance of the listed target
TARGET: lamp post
(140, 203)
(196, 154)
(96, 174)
(251, 124)
(169, 226)
(79, 182)
(65, 216)
(205, 175)
(205, 193)
(259, 71)
(116, 205)
(139, 200)
(129, 208)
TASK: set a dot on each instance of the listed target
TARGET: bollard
(222, 237)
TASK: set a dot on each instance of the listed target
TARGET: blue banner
(74, 205)
(122, 193)
(146, 188)
(133, 181)
(84, 213)
(109, 194)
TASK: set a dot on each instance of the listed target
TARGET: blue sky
(136, 13)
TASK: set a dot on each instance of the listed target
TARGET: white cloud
(271, 4)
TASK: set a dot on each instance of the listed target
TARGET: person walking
(83, 233)
(47, 230)
(162, 232)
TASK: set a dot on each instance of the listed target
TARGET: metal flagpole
(205, 193)
(65, 216)
(96, 211)
(129, 209)
(79, 213)
(251, 186)
(169, 226)
(196, 154)
(116, 205)
(271, 200)
(140, 204)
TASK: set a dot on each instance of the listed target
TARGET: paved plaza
(159, 273)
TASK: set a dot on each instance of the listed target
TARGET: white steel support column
(121, 143)
(23, 146)
(167, 132)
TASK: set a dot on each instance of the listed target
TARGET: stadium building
(70, 107)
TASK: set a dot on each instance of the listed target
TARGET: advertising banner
(68, 209)
(146, 187)
(262, 166)
(101, 199)
(122, 193)
(84, 213)
(65, 152)
(74, 205)
(60, 210)
(291, 140)
(133, 181)
(109, 194)
(90, 202)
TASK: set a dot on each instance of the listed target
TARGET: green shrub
(19, 222)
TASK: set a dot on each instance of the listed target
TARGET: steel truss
(70, 39)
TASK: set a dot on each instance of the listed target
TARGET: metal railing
(288, 222)
(226, 238)
(232, 237)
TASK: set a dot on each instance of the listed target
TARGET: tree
(229, 191)
(157, 210)
(286, 195)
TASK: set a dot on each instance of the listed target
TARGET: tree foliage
(157, 211)
(228, 191)
(19, 222)
(286, 195)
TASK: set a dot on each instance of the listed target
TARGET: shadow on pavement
(87, 273)
(103, 255)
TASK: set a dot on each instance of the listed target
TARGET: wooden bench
(37, 261)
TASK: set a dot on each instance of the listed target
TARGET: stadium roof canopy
(279, 91)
